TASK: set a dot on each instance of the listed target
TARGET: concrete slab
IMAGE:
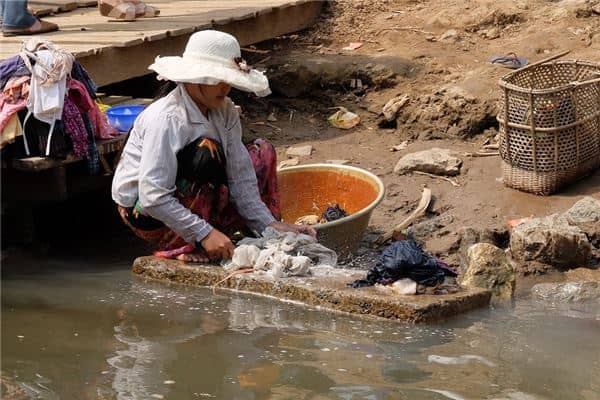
(328, 291)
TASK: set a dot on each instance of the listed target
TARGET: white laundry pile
(278, 254)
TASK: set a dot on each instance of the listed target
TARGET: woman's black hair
(164, 90)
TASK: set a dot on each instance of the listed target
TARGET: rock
(450, 35)
(585, 214)
(470, 236)
(573, 292)
(596, 8)
(550, 240)
(434, 161)
(488, 267)
(491, 33)
(299, 151)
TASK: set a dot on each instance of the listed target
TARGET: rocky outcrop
(488, 267)
(470, 236)
(550, 240)
(434, 161)
(585, 214)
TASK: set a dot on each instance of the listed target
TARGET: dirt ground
(437, 53)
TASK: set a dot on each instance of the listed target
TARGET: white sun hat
(211, 57)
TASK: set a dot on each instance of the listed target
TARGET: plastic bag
(344, 119)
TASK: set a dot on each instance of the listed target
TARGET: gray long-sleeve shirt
(148, 166)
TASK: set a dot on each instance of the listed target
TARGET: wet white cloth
(272, 261)
(405, 286)
(280, 254)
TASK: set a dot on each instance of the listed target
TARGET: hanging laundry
(49, 66)
(93, 158)
(10, 68)
(405, 259)
(99, 121)
(37, 138)
(13, 98)
(11, 131)
(80, 74)
(75, 128)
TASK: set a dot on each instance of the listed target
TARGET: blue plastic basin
(122, 117)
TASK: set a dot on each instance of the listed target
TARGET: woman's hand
(218, 246)
(285, 227)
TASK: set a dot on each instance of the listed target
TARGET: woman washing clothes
(185, 181)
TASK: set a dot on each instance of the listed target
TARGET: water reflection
(97, 334)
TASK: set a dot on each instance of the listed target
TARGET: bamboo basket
(549, 124)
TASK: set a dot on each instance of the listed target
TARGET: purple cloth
(8, 68)
(75, 128)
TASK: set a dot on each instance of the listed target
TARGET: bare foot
(197, 258)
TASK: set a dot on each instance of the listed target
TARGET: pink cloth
(13, 98)
(83, 101)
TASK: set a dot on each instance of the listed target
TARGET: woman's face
(212, 96)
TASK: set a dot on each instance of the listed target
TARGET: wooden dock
(116, 51)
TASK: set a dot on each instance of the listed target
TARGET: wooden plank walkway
(41, 8)
(115, 51)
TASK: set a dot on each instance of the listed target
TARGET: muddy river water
(72, 329)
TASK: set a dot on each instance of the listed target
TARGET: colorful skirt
(202, 188)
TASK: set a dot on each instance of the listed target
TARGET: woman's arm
(243, 186)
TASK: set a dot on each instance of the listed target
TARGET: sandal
(510, 61)
(120, 12)
(143, 10)
(40, 26)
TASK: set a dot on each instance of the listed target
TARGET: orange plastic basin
(310, 189)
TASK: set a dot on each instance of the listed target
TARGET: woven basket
(550, 124)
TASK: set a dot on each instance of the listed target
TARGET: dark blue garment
(79, 73)
(93, 160)
(404, 259)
